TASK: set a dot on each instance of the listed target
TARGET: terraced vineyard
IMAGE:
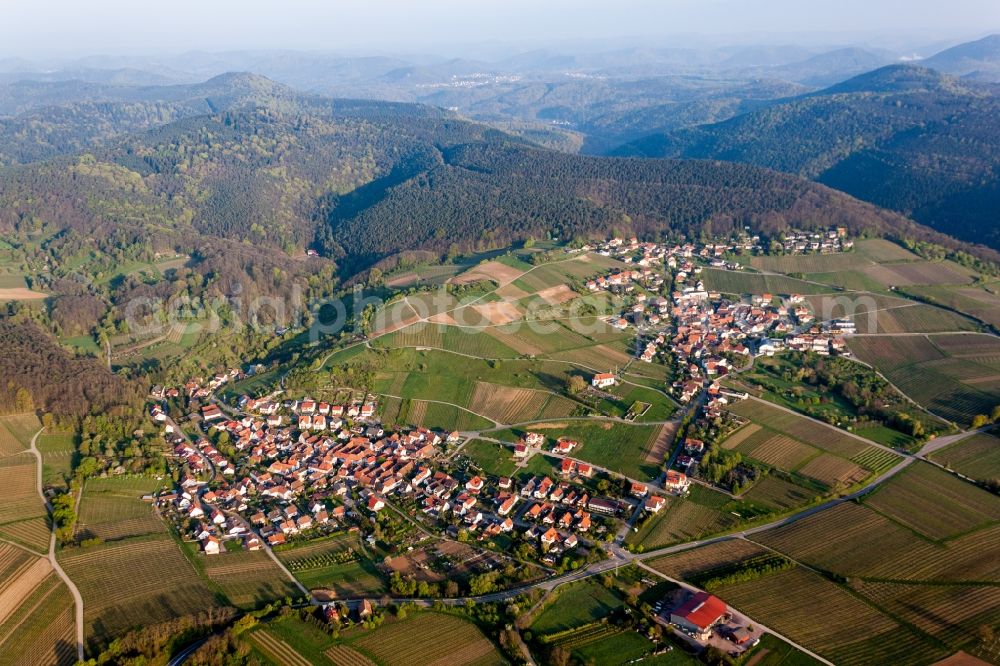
(33, 533)
(19, 498)
(935, 503)
(429, 639)
(954, 376)
(248, 579)
(342, 655)
(40, 628)
(852, 540)
(847, 631)
(335, 563)
(977, 457)
(9, 444)
(153, 582)
(112, 508)
(950, 613)
(277, 650)
(819, 435)
(22, 426)
(690, 563)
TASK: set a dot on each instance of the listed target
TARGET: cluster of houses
(811, 242)
(202, 457)
(199, 387)
(200, 511)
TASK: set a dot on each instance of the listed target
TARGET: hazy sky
(75, 27)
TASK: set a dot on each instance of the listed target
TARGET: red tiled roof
(702, 610)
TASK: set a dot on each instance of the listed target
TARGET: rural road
(77, 599)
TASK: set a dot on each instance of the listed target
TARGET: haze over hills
(976, 60)
(904, 137)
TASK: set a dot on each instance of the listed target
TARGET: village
(267, 472)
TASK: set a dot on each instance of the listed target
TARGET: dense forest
(903, 137)
(38, 374)
(482, 195)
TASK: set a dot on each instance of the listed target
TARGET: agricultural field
(9, 443)
(439, 416)
(457, 380)
(819, 435)
(915, 318)
(780, 494)
(833, 472)
(336, 563)
(112, 508)
(818, 613)
(57, 451)
(492, 458)
(276, 650)
(32, 533)
(952, 614)
(153, 582)
(777, 438)
(954, 376)
(429, 639)
(919, 273)
(23, 519)
(811, 263)
(690, 563)
(22, 426)
(604, 644)
(745, 282)
(701, 513)
(576, 605)
(249, 579)
(469, 341)
(619, 447)
(983, 303)
(18, 491)
(977, 457)
(934, 503)
(38, 626)
(856, 541)
(505, 404)
(882, 251)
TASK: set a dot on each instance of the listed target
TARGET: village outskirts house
(603, 380)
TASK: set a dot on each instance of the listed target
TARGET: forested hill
(903, 137)
(42, 120)
(366, 180)
(481, 195)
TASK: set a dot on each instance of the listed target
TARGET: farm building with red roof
(699, 613)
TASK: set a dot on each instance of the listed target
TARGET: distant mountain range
(978, 60)
(904, 137)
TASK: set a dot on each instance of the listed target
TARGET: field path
(77, 599)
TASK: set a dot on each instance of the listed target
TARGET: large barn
(699, 614)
